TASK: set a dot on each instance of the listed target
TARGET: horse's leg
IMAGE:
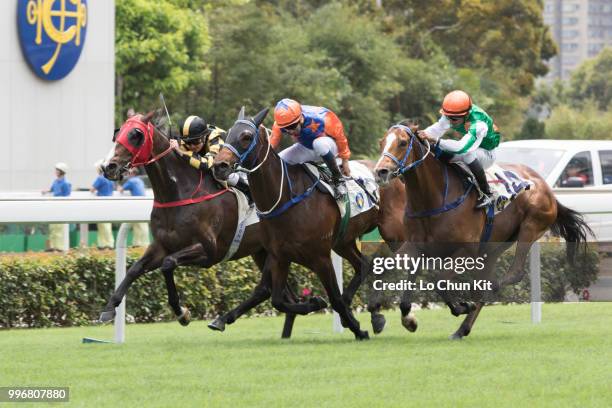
(261, 293)
(529, 232)
(474, 308)
(408, 319)
(325, 271)
(193, 254)
(279, 270)
(466, 326)
(351, 253)
(151, 260)
(456, 308)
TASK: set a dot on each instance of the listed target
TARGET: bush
(557, 278)
(42, 290)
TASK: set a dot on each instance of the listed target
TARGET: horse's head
(134, 145)
(241, 141)
(396, 148)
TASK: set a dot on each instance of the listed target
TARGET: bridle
(141, 156)
(402, 167)
(243, 156)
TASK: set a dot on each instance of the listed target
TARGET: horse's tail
(571, 226)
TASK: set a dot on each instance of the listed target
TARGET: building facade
(581, 29)
(50, 120)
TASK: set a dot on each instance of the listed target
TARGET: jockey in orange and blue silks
(319, 135)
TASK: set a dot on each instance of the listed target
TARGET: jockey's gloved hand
(346, 170)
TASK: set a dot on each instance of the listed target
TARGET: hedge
(42, 290)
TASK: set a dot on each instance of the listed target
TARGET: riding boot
(484, 200)
(337, 178)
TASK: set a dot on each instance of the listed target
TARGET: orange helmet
(456, 103)
(287, 112)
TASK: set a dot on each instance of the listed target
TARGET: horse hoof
(318, 302)
(410, 322)
(185, 317)
(455, 336)
(362, 335)
(217, 324)
(107, 316)
(378, 323)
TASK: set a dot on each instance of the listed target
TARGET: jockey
(480, 137)
(199, 143)
(319, 135)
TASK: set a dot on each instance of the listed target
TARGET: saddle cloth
(246, 216)
(505, 185)
(360, 200)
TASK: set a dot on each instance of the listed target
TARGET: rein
(402, 169)
(274, 210)
(401, 164)
(142, 157)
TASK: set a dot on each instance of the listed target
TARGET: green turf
(506, 361)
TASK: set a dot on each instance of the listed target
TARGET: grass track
(506, 361)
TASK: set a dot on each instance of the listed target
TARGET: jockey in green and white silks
(480, 137)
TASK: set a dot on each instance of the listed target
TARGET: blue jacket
(135, 185)
(104, 187)
(60, 187)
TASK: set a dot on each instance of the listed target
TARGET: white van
(580, 172)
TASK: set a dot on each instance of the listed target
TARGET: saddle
(324, 174)
(505, 185)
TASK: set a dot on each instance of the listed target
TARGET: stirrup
(340, 189)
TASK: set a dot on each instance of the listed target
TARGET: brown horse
(301, 227)
(429, 218)
(193, 221)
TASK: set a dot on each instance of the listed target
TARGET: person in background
(59, 188)
(103, 187)
(575, 175)
(135, 186)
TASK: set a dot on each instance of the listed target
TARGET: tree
(588, 123)
(593, 80)
(159, 47)
(532, 129)
(332, 57)
(370, 62)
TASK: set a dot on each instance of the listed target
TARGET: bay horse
(193, 220)
(441, 209)
(299, 223)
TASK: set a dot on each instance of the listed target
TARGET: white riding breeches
(298, 153)
(484, 156)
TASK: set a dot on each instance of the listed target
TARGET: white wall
(70, 120)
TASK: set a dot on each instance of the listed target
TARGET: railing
(18, 208)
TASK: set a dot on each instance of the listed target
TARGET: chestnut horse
(439, 211)
(193, 221)
(301, 227)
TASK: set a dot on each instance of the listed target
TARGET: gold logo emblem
(41, 13)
